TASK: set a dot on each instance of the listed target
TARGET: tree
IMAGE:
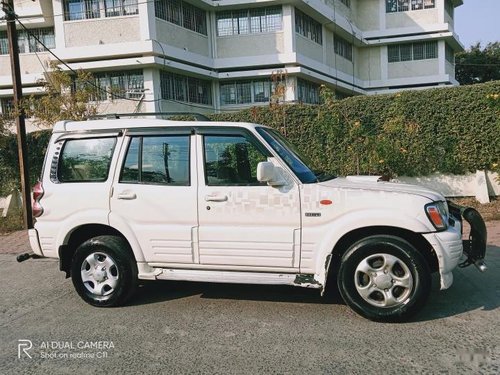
(477, 65)
(66, 96)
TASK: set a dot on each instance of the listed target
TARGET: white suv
(125, 200)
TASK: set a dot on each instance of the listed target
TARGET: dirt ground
(489, 211)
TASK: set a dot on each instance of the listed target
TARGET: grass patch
(11, 223)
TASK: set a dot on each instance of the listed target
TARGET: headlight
(437, 212)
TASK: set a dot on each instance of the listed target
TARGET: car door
(155, 195)
(244, 223)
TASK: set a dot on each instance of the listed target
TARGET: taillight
(37, 195)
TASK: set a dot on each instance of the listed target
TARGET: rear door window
(86, 160)
(161, 160)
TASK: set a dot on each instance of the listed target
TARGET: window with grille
(183, 14)
(245, 92)
(308, 27)
(307, 92)
(7, 105)
(347, 3)
(81, 9)
(115, 8)
(119, 85)
(27, 41)
(412, 51)
(393, 6)
(185, 89)
(342, 47)
(249, 21)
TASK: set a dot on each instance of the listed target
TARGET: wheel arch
(417, 240)
(79, 235)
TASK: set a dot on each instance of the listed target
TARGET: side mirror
(267, 172)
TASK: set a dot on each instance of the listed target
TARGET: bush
(9, 162)
(450, 130)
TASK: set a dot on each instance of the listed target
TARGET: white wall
(30, 63)
(102, 31)
(180, 37)
(409, 69)
(309, 48)
(368, 15)
(250, 45)
(479, 184)
(415, 18)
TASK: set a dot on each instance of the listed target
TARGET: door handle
(127, 195)
(216, 198)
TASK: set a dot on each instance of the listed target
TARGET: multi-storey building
(203, 55)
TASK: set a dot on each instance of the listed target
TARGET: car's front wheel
(103, 271)
(384, 278)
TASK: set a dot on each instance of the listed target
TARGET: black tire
(117, 283)
(384, 300)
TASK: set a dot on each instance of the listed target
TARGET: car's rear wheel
(104, 271)
(384, 278)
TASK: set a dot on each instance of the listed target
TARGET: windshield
(297, 162)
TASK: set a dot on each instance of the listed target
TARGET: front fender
(351, 221)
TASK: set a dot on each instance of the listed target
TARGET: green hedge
(9, 166)
(450, 130)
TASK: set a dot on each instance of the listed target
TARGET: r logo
(23, 346)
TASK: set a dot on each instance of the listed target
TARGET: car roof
(131, 123)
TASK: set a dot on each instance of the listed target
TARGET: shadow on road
(160, 291)
(470, 291)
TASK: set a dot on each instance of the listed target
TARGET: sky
(478, 21)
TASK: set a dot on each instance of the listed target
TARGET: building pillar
(442, 57)
(152, 90)
(147, 20)
(382, 14)
(59, 24)
(440, 9)
(289, 28)
(384, 63)
(212, 34)
(291, 89)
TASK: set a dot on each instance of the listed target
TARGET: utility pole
(8, 9)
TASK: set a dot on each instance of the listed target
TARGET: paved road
(198, 328)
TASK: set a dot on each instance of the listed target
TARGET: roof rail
(197, 116)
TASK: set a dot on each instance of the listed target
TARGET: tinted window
(86, 160)
(292, 157)
(231, 160)
(157, 160)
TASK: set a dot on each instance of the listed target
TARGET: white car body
(244, 234)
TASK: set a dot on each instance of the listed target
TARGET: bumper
(475, 245)
(448, 247)
(34, 242)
